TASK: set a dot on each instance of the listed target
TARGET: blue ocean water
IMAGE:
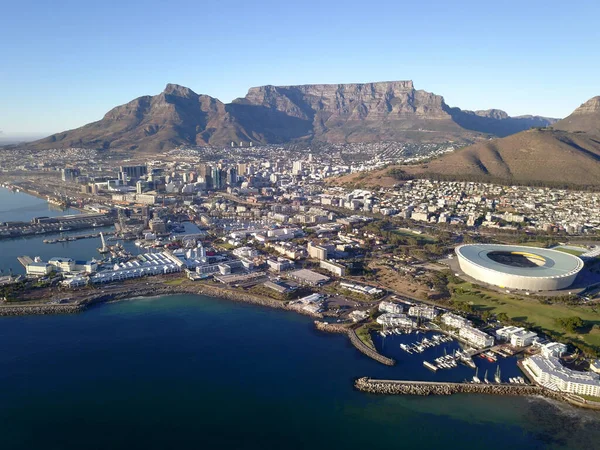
(199, 372)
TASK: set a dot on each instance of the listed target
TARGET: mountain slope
(535, 155)
(174, 117)
(367, 112)
(585, 119)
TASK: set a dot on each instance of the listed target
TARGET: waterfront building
(523, 338)
(62, 264)
(358, 315)
(38, 269)
(422, 311)
(555, 349)
(475, 337)
(390, 307)
(550, 373)
(145, 265)
(455, 321)
(517, 336)
(396, 320)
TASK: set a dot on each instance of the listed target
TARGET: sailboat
(475, 377)
(485, 377)
(497, 376)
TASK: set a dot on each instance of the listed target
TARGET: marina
(433, 356)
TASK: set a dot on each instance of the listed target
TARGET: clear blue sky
(66, 63)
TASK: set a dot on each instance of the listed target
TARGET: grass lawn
(424, 237)
(570, 251)
(364, 335)
(530, 310)
(590, 398)
(175, 282)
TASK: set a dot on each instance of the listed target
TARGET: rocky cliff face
(584, 119)
(359, 112)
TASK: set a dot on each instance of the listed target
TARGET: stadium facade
(519, 267)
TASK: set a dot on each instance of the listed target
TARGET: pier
(44, 225)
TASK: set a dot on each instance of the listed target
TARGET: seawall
(401, 387)
(365, 349)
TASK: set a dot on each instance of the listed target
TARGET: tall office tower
(134, 172)
(241, 168)
(69, 174)
(232, 177)
(297, 168)
(203, 170)
(217, 180)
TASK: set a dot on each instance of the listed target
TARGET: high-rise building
(203, 170)
(134, 172)
(232, 177)
(69, 174)
(297, 168)
(217, 178)
(241, 168)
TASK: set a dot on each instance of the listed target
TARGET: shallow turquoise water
(199, 372)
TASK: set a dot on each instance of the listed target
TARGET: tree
(569, 324)
(502, 317)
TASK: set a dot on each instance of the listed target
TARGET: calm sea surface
(199, 372)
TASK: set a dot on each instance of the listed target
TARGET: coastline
(363, 384)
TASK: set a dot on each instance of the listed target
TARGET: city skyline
(523, 59)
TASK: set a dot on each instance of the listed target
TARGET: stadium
(519, 267)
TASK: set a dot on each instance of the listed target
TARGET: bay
(193, 371)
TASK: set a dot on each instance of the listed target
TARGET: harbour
(188, 381)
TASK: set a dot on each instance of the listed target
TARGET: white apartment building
(423, 311)
(390, 307)
(455, 321)
(549, 372)
(475, 337)
(396, 320)
(555, 349)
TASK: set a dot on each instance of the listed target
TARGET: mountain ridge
(351, 112)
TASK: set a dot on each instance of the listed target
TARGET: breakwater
(424, 388)
(330, 327)
(50, 308)
(400, 387)
(365, 349)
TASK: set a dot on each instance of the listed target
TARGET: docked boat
(430, 366)
(490, 356)
(475, 377)
(497, 376)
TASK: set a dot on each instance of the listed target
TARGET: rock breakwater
(365, 349)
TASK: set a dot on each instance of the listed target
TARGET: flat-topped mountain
(359, 112)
